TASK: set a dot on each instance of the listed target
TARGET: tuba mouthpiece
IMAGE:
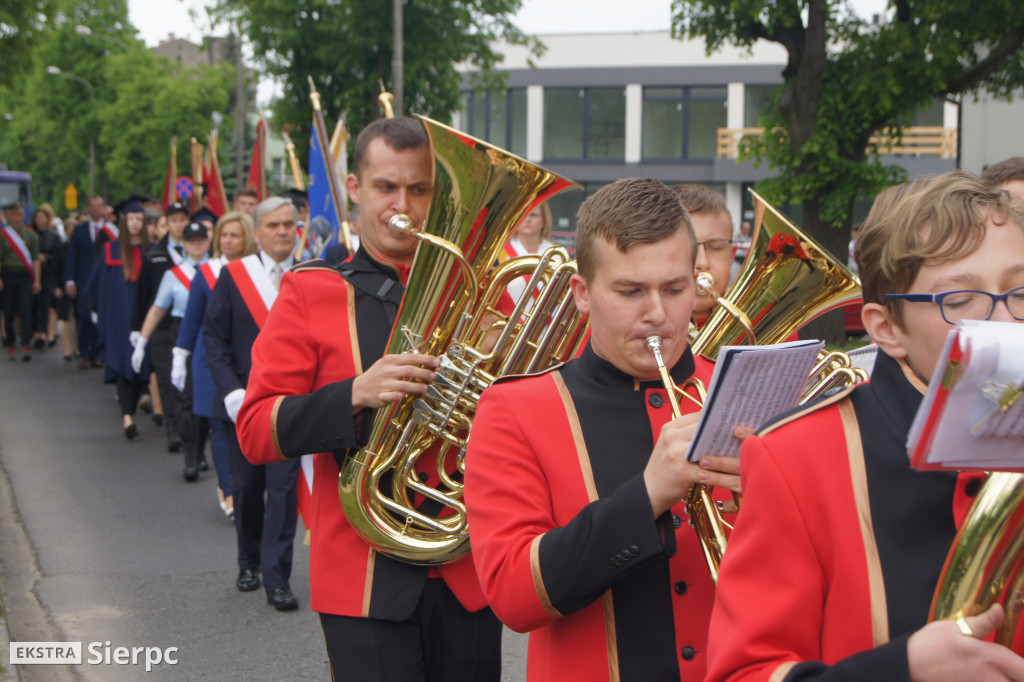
(705, 283)
(401, 225)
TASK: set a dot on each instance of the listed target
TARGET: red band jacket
(321, 333)
(839, 544)
(563, 535)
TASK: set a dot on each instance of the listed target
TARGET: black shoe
(158, 418)
(203, 465)
(282, 599)
(146, 404)
(131, 431)
(27, 357)
(173, 444)
(248, 580)
(191, 474)
(39, 344)
(67, 358)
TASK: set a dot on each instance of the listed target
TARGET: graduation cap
(12, 204)
(298, 197)
(203, 214)
(132, 204)
(177, 206)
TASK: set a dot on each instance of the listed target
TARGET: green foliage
(845, 81)
(22, 25)
(137, 102)
(346, 47)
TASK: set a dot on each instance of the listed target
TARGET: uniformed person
(575, 476)
(20, 278)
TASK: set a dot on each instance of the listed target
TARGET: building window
(587, 123)
(756, 99)
(497, 117)
(682, 123)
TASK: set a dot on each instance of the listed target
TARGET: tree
(844, 81)
(22, 25)
(346, 47)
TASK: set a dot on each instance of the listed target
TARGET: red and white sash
(211, 271)
(184, 271)
(109, 229)
(18, 244)
(176, 257)
(255, 286)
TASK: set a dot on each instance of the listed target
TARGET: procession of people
(575, 476)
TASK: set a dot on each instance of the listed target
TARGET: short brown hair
(625, 213)
(698, 198)
(932, 220)
(399, 133)
(999, 173)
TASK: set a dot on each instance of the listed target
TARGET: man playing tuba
(318, 372)
(575, 476)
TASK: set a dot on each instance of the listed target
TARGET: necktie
(179, 249)
(275, 275)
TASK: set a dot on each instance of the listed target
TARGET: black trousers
(265, 529)
(440, 642)
(17, 296)
(88, 332)
(192, 429)
(43, 301)
(160, 354)
(128, 393)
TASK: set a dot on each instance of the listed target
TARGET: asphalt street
(102, 542)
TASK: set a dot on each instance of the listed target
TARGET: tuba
(986, 562)
(786, 280)
(450, 309)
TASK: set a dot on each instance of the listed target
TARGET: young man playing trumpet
(575, 475)
(838, 549)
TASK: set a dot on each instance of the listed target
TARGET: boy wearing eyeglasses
(836, 553)
(713, 226)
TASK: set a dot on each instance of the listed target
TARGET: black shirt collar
(893, 383)
(603, 372)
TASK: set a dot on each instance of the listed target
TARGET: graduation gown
(564, 538)
(113, 297)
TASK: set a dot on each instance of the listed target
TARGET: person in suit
(87, 239)
(245, 291)
(319, 371)
(168, 252)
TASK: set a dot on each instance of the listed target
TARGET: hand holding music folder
(972, 417)
(750, 385)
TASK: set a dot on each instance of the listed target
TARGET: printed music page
(750, 385)
(973, 414)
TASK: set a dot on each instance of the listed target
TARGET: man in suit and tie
(238, 307)
(86, 241)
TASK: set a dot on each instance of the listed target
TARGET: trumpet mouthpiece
(653, 343)
(705, 283)
(401, 225)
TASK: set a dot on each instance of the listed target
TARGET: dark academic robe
(112, 297)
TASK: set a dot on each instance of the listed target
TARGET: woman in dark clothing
(111, 290)
(49, 257)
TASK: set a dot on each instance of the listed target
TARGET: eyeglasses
(968, 304)
(715, 245)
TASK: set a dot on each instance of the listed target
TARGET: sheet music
(750, 385)
(993, 358)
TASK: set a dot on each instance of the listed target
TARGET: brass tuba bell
(480, 194)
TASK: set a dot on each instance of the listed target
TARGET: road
(101, 541)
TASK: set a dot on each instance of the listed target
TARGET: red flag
(171, 181)
(216, 197)
(257, 180)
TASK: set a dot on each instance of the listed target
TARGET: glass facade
(756, 98)
(682, 123)
(584, 123)
(497, 117)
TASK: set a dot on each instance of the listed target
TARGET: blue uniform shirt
(172, 294)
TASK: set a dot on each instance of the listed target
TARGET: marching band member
(532, 236)
(318, 373)
(575, 475)
(712, 225)
(836, 554)
(111, 287)
(172, 296)
(232, 239)
(246, 292)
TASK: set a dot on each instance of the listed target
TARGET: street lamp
(83, 30)
(55, 71)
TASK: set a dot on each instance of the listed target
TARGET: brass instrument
(986, 562)
(786, 280)
(480, 194)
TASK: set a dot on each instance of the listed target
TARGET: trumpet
(705, 515)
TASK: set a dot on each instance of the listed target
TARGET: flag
(323, 188)
(197, 175)
(216, 197)
(171, 179)
(257, 179)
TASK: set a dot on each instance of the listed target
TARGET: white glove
(179, 367)
(233, 403)
(139, 354)
(133, 338)
(94, 317)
